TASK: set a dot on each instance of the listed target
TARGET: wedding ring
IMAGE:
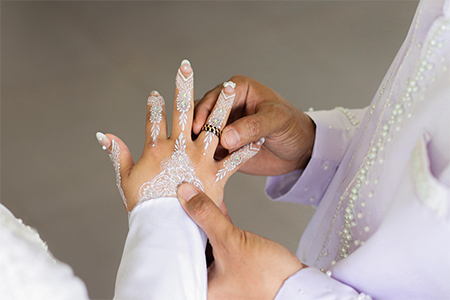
(212, 129)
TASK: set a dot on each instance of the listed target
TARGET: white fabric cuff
(164, 254)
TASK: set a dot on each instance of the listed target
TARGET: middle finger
(183, 104)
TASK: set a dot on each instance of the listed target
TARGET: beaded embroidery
(184, 97)
(246, 152)
(175, 170)
(350, 115)
(224, 103)
(114, 156)
(156, 104)
(378, 142)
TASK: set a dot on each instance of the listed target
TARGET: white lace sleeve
(28, 270)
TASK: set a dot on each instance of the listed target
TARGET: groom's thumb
(206, 214)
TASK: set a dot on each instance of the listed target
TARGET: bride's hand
(166, 162)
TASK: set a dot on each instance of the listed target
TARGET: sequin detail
(176, 169)
(114, 156)
(184, 97)
(350, 115)
(224, 104)
(156, 104)
(362, 296)
(354, 226)
(238, 157)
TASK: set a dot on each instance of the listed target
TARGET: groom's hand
(246, 265)
(258, 111)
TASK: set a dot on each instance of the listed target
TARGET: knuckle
(240, 79)
(201, 209)
(254, 125)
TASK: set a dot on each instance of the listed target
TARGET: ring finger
(220, 113)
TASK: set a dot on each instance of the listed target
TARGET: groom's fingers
(205, 213)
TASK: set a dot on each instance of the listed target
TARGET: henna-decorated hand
(167, 162)
(259, 111)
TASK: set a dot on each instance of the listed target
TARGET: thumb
(248, 129)
(118, 152)
(205, 213)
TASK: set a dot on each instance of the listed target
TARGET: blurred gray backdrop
(70, 69)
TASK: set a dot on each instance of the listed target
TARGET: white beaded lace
(184, 97)
(224, 104)
(175, 170)
(114, 156)
(156, 104)
(246, 152)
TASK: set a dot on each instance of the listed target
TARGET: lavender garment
(380, 178)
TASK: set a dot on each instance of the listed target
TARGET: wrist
(307, 141)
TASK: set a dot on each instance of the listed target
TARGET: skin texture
(259, 111)
(134, 175)
(246, 265)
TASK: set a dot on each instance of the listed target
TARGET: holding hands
(168, 161)
(258, 111)
(246, 265)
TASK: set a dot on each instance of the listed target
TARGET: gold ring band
(212, 129)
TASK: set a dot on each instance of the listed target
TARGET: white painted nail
(229, 83)
(103, 140)
(185, 62)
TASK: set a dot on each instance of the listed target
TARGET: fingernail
(186, 66)
(185, 62)
(229, 86)
(260, 142)
(187, 191)
(103, 140)
(154, 93)
(231, 138)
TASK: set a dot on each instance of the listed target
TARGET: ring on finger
(212, 129)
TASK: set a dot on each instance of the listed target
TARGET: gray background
(70, 69)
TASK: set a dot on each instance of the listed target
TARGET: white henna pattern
(156, 104)
(246, 152)
(224, 103)
(175, 170)
(114, 156)
(184, 97)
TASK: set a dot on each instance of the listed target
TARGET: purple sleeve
(310, 283)
(334, 132)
